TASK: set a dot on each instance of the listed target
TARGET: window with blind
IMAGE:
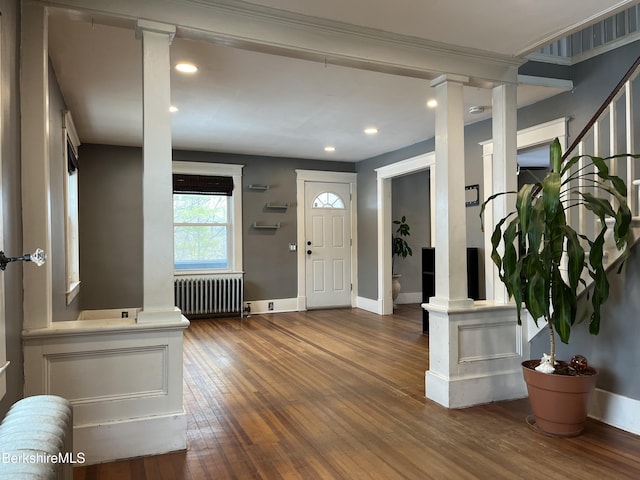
(72, 243)
(204, 222)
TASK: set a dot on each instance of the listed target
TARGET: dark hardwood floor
(339, 394)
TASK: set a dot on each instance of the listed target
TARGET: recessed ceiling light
(371, 130)
(329, 149)
(186, 68)
(173, 109)
(432, 103)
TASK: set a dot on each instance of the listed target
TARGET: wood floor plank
(339, 394)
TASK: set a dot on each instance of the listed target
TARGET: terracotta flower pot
(559, 402)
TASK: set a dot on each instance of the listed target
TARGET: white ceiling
(249, 102)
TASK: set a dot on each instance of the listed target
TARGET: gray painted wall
(111, 223)
(11, 199)
(614, 352)
(410, 193)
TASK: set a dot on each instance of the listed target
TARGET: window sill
(178, 273)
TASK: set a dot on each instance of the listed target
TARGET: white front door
(328, 244)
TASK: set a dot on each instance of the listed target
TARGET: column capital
(449, 78)
(155, 27)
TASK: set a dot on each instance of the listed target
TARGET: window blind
(202, 184)
(72, 157)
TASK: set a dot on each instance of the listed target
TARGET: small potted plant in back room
(400, 248)
(547, 265)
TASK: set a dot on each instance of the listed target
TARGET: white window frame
(329, 206)
(235, 209)
(72, 239)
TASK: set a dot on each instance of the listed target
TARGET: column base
(474, 355)
(476, 390)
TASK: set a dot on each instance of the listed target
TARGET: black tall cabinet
(429, 278)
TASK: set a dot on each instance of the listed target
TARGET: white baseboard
(374, 306)
(476, 390)
(280, 305)
(130, 438)
(409, 297)
(616, 410)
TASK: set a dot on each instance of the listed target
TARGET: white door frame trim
(303, 176)
(426, 161)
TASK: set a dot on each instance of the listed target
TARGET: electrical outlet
(125, 314)
(270, 306)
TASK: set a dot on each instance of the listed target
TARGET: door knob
(309, 242)
(309, 252)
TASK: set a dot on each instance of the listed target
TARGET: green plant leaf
(496, 237)
(600, 292)
(537, 296)
(524, 205)
(599, 206)
(576, 255)
(564, 306)
(536, 227)
(486, 202)
(621, 229)
(555, 235)
(555, 152)
(551, 193)
(399, 246)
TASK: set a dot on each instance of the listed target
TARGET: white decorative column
(504, 171)
(450, 224)
(158, 298)
(474, 347)
(36, 201)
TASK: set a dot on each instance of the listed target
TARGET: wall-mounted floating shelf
(265, 227)
(277, 206)
(255, 186)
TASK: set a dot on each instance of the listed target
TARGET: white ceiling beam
(267, 30)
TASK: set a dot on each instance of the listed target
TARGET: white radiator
(209, 295)
(36, 440)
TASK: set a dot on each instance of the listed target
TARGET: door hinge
(351, 287)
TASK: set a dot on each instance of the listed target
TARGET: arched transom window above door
(328, 200)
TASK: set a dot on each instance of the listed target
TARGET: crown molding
(254, 27)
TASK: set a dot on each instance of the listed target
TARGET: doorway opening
(385, 174)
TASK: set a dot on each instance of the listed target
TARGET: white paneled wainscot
(485, 347)
(123, 378)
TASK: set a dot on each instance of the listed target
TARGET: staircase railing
(612, 130)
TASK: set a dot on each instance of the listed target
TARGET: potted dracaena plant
(399, 248)
(533, 244)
